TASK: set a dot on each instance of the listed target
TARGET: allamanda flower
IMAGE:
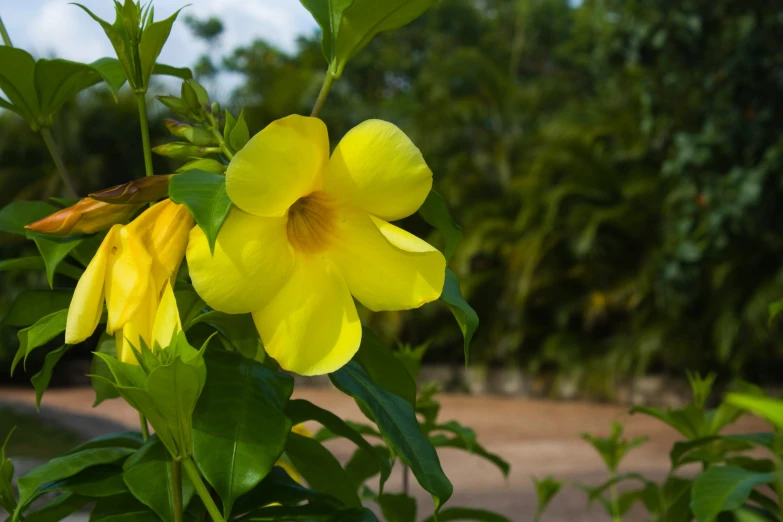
(308, 231)
(130, 272)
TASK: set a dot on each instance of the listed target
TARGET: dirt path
(538, 438)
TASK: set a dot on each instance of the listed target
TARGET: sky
(49, 28)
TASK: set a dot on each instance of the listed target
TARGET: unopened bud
(87, 216)
(195, 134)
(181, 150)
(143, 190)
(215, 108)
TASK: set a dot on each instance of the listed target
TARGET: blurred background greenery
(616, 167)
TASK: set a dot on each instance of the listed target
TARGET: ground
(537, 437)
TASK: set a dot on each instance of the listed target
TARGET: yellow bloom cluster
(307, 234)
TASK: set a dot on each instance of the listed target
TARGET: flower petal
(311, 326)
(252, 261)
(385, 267)
(127, 279)
(378, 168)
(278, 165)
(138, 328)
(167, 323)
(86, 308)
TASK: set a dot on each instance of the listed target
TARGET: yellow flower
(129, 273)
(307, 232)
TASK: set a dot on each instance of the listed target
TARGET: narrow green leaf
(231, 122)
(279, 488)
(366, 18)
(183, 73)
(205, 164)
(327, 14)
(125, 439)
(58, 509)
(435, 212)
(441, 441)
(53, 250)
(238, 330)
(147, 473)
(724, 488)
(35, 336)
(121, 47)
(240, 134)
(15, 215)
(240, 429)
(42, 379)
(152, 41)
(204, 193)
(100, 372)
(398, 507)
(31, 305)
(384, 368)
(466, 316)
(397, 421)
(320, 469)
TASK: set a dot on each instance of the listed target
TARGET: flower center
(311, 222)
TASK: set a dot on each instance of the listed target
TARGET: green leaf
(60, 468)
(465, 514)
(320, 469)
(152, 41)
(112, 73)
(441, 441)
(125, 439)
(397, 421)
(147, 473)
(7, 494)
(300, 410)
(229, 127)
(310, 513)
(366, 18)
(183, 73)
(398, 507)
(100, 372)
(121, 47)
(205, 164)
(724, 488)
(37, 263)
(122, 508)
(384, 368)
(238, 330)
(96, 481)
(17, 81)
(239, 426)
(59, 508)
(546, 490)
(770, 409)
(466, 317)
(240, 134)
(31, 305)
(279, 488)
(35, 336)
(53, 251)
(364, 465)
(42, 379)
(204, 193)
(435, 212)
(58, 81)
(15, 215)
(328, 14)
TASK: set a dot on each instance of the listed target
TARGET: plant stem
(145, 133)
(6, 38)
(327, 86)
(202, 491)
(46, 134)
(614, 500)
(223, 147)
(145, 431)
(176, 479)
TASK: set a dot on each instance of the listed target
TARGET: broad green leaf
(467, 514)
(125, 439)
(112, 73)
(58, 81)
(32, 305)
(183, 73)
(122, 508)
(15, 215)
(435, 212)
(204, 193)
(104, 480)
(320, 469)
(384, 368)
(17, 81)
(42, 379)
(63, 467)
(441, 441)
(35, 336)
(770, 409)
(366, 18)
(53, 250)
(152, 41)
(398, 507)
(59, 508)
(37, 263)
(99, 370)
(397, 421)
(239, 426)
(327, 14)
(724, 488)
(238, 330)
(240, 134)
(147, 473)
(279, 488)
(300, 410)
(466, 317)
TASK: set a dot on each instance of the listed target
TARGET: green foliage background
(616, 168)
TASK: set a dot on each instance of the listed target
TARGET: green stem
(615, 500)
(6, 38)
(145, 431)
(202, 491)
(176, 479)
(327, 86)
(46, 134)
(145, 134)
(223, 147)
